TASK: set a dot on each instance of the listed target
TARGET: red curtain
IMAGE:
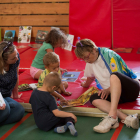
(91, 19)
(126, 23)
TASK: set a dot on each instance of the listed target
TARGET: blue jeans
(13, 112)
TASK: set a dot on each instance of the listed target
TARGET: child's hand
(63, 70)
(74, 117)
(83, 84)
(67, 93)
(63, 101)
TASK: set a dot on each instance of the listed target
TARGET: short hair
(87, 46)
(50, 58)
(52, 79)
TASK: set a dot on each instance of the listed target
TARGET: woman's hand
(104, 93)
(3, 107)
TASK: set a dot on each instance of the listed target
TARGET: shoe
(132, 121)
(107, 123)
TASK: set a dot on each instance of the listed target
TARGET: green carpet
(29, 131)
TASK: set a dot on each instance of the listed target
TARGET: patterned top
(9, 79)
(42, 77)
(115, 63)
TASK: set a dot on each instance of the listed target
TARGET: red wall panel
(126, 23)
(91, 19)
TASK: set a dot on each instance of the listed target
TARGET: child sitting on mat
(52, 64)
(55, 38)
(119, 83)
(45, 111)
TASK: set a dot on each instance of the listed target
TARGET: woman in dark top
(12, 111)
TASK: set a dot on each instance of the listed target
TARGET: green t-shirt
(38, 60)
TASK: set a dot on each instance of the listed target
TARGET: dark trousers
(63, 121)
(129, 89)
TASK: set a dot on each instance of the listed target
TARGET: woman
(12, 111)
(119, 83)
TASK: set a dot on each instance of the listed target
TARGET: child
(119, 84)
(52, 62)
(44, 107)
(55, 38)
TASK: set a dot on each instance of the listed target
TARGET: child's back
(42, 105)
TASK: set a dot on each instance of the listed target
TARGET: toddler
(52, 64)
(45, 111)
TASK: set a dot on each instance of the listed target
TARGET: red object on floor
(69, 61)
(66, 58)
(74, 87)
(77, 65)
(25, 77)
(23, 49)
(27, 58)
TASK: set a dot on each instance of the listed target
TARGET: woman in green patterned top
(118, 83)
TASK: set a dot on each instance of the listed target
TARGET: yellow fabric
(42, 77)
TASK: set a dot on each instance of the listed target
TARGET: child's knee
(59, 90)
(65, 84)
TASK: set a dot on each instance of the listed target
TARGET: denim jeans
(13, 112)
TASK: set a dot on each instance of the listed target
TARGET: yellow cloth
(42, 76)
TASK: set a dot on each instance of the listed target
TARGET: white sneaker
(107, 123)
(132, 121)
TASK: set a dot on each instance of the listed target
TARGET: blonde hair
(52, 79)
(4, 53)
(85, 45)
(50, 58)
(56, 36)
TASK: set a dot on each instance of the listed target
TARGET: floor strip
(15, 126)
(117, 132)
